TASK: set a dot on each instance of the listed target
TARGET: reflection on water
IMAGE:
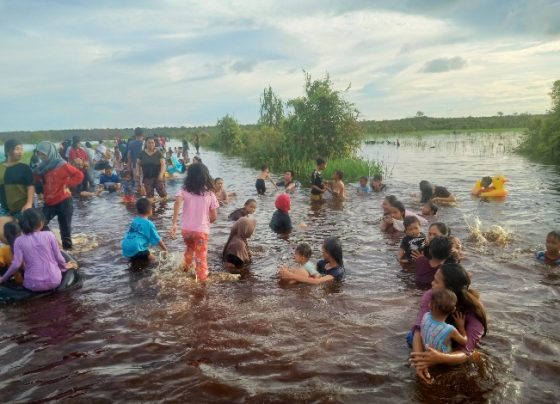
(153, 334)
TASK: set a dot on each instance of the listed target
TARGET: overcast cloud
(110, 63)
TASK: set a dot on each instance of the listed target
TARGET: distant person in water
(331, 267)
(377, 184)
(550, 256)
(337, 188)
(429, 210)
(197, 143)
(221, 192)
(248, 209)
(363, 187)
(16, 181)
(435, 194)
(281, 222)
(288, 182)
(318, 188)
(305, 267)
(264, 176)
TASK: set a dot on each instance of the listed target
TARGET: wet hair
(377, 177)
(398, 205)
(264, 167)
(143, 206)
(433, 207)
(304, 250)
(391, 199)
(485, 182)
(88, 145)
(320, 161)
(10, 146)
(555, 234)
(363, 178)
(218, 179)
(11, 232)
(196, 158)
(250, 201)
(291, 172)
(440, 247)
(442, 227)
(333, 247)
(339, 174)
(426, 190)
(410, 220)
(31, 221)
(198, 179)
(456, 279)
(443, 301)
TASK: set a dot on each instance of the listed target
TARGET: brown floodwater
(154, 335)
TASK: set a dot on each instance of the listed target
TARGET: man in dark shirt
(134, 148)
(317, 186)
(16, 180)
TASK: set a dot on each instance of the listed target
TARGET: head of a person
(377, 179)
(440, 248)
(397, 210)
(88, 145)
(198, 180)
(250, 206)
(218, 184)
(144, 207)
(11, 232)
(302, 253)
(388, 201)
(412, 226)
(437, 229)
(108, 171)
(150, 143)
(126, 175)
(283, 203)
(456, 243)
(47, 150)
(338, 175)
(32, 220)
(426, 190)
(332, 250)
(197, 160)
(429, 209)
(138, 133)
(363, 181)
(443, 302)
(485, 182)
(288, 176)
(244, 227)
(78, 163)
(321, 164)
(75, 142)
(13, 149)
(264, 169)
(553, 242)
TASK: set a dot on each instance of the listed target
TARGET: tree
(500, 113)
(420, 114)
(272, 109)
(228, 137)
(555, 96)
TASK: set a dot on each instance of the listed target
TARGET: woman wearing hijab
(56, 176)
(236, 252)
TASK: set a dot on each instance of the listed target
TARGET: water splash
(494, 234)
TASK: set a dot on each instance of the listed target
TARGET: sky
(127, 63)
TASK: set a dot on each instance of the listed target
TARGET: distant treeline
(414, 124)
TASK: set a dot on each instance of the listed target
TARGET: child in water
(263, 176)
(485, 185)
(141, 234)
(336, 188)
(317, 186)
(248, 209)
(393, 222)
(456, 249)
(551, 256)
(302, 255)
(237, 253)
(220, 191)
(363, 187)
(127, 187)
(414, 240)
(429, 209)
(436, 333)
(377, 183)
(281, 221)
(331, 267)
(11, 232)
(200, 208)
(39, 252)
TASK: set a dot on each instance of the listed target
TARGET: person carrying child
(550, 256)
(248, 209)
(236, 253)
(414, 240)
(200, 208)
(141, 234)
(281, 222)
(38, 251)
(302, 255)
(260, 183)
(317, 186)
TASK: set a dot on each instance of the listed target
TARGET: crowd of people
(451, 318)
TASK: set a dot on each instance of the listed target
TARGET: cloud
(441, 65)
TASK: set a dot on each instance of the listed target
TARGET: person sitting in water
(436, 333)
(413, 240)
(453, 277)
(248, 209)
(429, 210)
(336, 188)
(281, 222)
(486, 185)
(11, 232)
(425, 268)
(263, 176)
(377, 184)
(317, 186)
(551, 256)
(435, 193)
(363, 187)
(39, 252)
(220, 191)
(236, 253)
(288, 182)
(302, 255)
(331, 267)
(109, 181)
(141, 234)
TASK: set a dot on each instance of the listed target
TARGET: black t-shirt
(14, 181)
(441, 192)
(237, 214)
(409, 243)
(317, 180)
(281, 222)
(151, 165)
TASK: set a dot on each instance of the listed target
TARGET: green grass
(420, 133)
(352, 168)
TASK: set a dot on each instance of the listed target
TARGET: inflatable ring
(498, 190)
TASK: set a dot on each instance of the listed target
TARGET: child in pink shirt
(39, 252)
(199, 210)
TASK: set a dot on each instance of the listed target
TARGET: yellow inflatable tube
(496, 191)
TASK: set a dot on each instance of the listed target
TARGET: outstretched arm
(286, 274)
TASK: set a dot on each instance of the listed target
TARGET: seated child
(220, 191)
(109, 180)
(236, 252)
(551, 256)
(377, 183)
(260, 184)
(127, 187)
(363, 187)
(436, 333)
(414, 240)
(456, 249)
(281, 221)
(11, 232)
(302, 254)
(336, 187)
(248, 209)
(394, 221)
(40, 253)
(485, 185)
(141, 234)
(429, 209)
(330, 268)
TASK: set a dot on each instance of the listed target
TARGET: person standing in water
(16, 181)
(197, 143)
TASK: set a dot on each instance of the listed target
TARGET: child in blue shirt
(363, 188)
(305, 268)
(551, 256)
(109, 180)
(141, 234)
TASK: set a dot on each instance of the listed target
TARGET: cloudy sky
(111, 63)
